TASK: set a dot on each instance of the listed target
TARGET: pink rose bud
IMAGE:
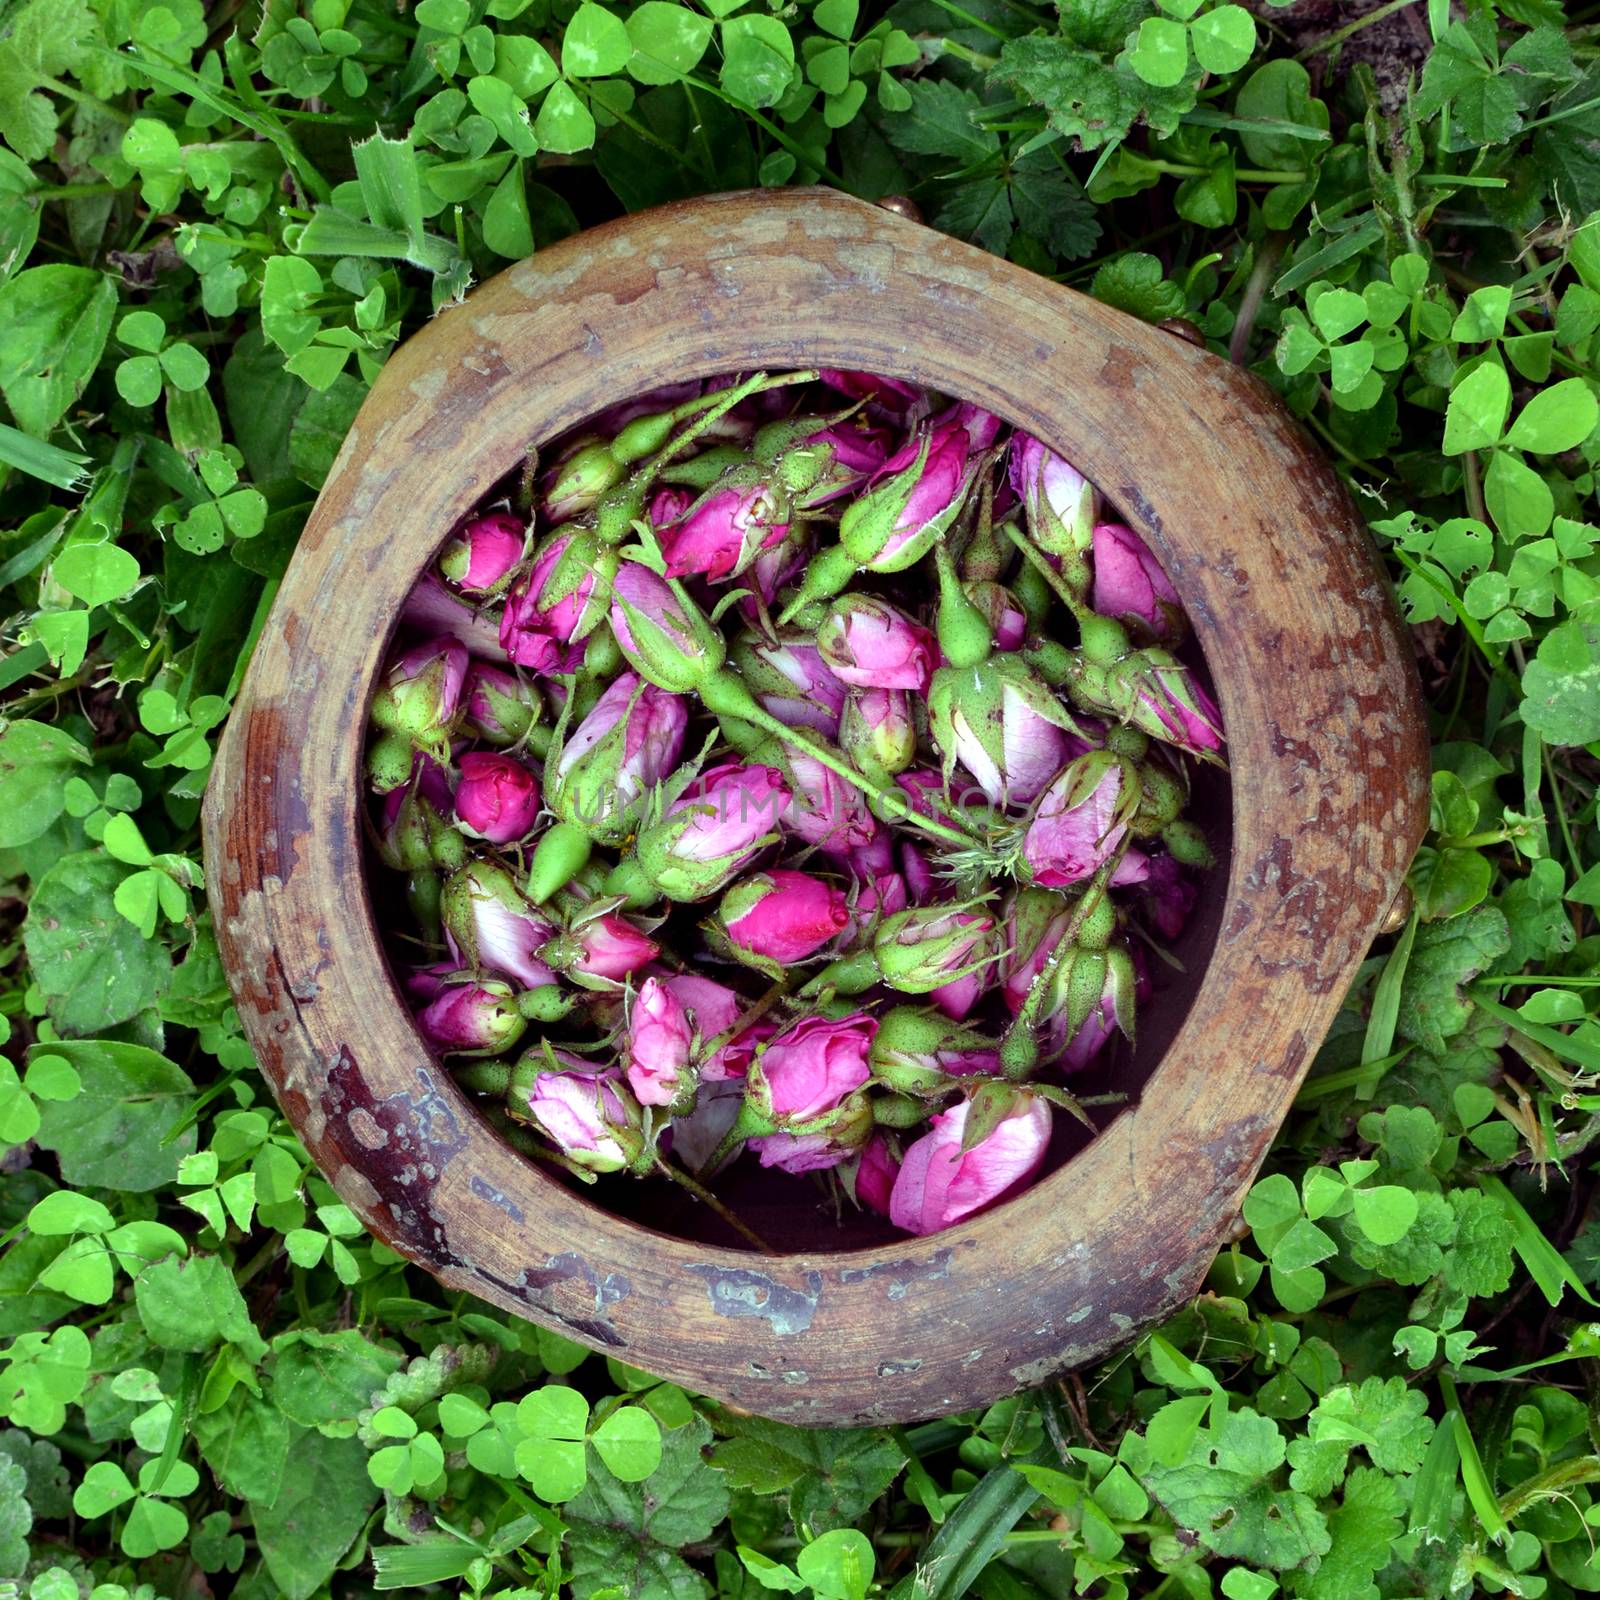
(659, 1046)
(599, 774)
(1006, 618)
(578, 480)
(497, 798)
(484, 552)
(420, 695)
(714, 1009)
(870, 645)
(499, 708)
(668, 505)
(875, 897)
(927, 946)
(792, 681)
(661, 631)
(607, 948)
(827, 1141)
(1165, 699)
(811, 1068)
(414, 830)
(1004, 724)
(782, 917)
(913, 498)
(472, 1018)
(827, 811)
(939, 1183)
(983, 427)
(917, 870)
(774, 567)
(876, 731)
(713, 832)
(1112, 1012)
(494, 927)
(558, 602)
(917, 1052)
(957, 998)
(1069, 981)
(1130, 586)
(1080, 820)
(1057, 500)
(725, 532)
(875, 1175)
(582, 1113)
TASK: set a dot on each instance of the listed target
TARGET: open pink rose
(939, 1183)
(809, 1069)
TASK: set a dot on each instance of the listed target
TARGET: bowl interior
(797, 1216)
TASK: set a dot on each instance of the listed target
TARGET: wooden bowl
(1326, 744)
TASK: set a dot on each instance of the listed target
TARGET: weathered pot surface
(1326, 746)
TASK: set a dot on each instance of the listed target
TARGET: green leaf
(1556, 419)
(105, 1486)
(1135, 283)
(507, 227)
(36, 760)
(757, 59)
(595, 44)
(629, 1442)
(1561, 685)
(122, 1129)
(320, 1509)
(1224, 38)
(667, 41)
(1519, 499)
(565, 124)
(328, 1377)
(1446, 956)
(1161, 54)
(831, 1477)
(1384, 1213)
(942, 121)
(838, 1565)
(54, 324)
(246, 1442)
(1475, 417)
(67, 1212)
(195, 1305)
(95, 573)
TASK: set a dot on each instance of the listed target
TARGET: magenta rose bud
(868, 644)
(493, 925)
(792, 682)
(1057, 500)
(912, 499)
(1130, 585)
(810, 1069)
(783, 917)
(725, 532)
(559, 600)
(628, 743)
(497, 798)
(1170, 896)
(420, 695)
(917, 1052)
(838, 460)
(661, 631)
(713, 832)
(414, 830)
(1008, 622)
(875, 1175)
(578, 480)
(659, 1041)
(471, 1018)
(939, 1183)
(583, 1114)
(484, 552)
(499, 709)
(892, 394)
(957, 998)
(1080, 820)
(1169, 702)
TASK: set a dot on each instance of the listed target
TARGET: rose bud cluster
(792, 771)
